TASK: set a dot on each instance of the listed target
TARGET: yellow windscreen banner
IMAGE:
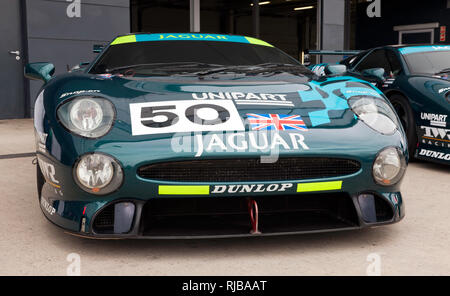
(124, 39)
(258, 42)
(183, 189)
(319, 186)
(188, 37)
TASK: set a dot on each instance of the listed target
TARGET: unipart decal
(438, 120)
(184, 116)
(246, 98)
(434, 154)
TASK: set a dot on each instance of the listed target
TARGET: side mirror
(335, 69)
(377, 73)
(39, 71)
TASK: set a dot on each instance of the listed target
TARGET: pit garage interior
(64, 32)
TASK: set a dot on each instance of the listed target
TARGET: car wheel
(406, 115)
(40, 180)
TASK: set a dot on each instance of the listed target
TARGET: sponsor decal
(434, 154)
(42, 138)
(193, 36)
(47, 207)
(276, 122)
(424, 48)
(438, 120)
(79, 92)
(246, 98)
(184, 116)
(435, 136)
(248, 188)
(251, 141)
(189, 36)
(49, 172)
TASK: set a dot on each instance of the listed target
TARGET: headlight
(98, 173)
(90, 117)
(389, 166)
(376, 113)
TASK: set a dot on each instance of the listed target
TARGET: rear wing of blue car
(334, 52)
(305, 58)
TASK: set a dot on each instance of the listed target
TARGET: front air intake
(249, 169)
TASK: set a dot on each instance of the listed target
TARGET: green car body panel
(333, 131)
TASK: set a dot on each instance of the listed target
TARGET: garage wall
(63, 35)
(379, 31)
(333, 28)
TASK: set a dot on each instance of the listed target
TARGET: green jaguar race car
(415, 78)
(188, 135)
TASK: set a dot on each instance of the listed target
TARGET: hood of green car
(322, 120)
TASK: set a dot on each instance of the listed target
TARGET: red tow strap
(253, 212)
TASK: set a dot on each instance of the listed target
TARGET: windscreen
(205, 52)
(436, 62)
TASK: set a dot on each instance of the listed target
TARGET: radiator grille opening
(249, 169)
(383, 210)
(229, 216)
(104, 221)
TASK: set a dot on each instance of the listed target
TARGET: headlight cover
(90, 117)
(98, 173)
(376, 113)
(389, 166)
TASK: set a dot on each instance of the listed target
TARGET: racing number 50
(166, 117)
(152, 114)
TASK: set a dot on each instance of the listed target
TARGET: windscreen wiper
(163, 65)
(258, 69)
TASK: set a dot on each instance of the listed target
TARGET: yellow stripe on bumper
(319, 186)
(183, 189)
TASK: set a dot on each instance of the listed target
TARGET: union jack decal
(276, 122)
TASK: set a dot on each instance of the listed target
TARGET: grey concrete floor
(30, 245)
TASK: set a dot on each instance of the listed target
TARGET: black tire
(406, 115)
(40, 180)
